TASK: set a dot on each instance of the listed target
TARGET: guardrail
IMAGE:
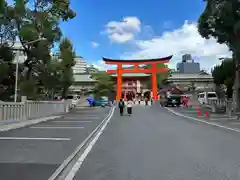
(218, 105)
(32, 109)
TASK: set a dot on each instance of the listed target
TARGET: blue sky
(140, 29)
(93, 15)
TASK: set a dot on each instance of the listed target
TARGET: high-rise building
(188, 65)
(80, 66)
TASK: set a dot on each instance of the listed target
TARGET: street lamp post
(17, 61)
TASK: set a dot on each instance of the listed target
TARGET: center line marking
(48, 127)
(28, 138)
(83, 117)
(73, 121)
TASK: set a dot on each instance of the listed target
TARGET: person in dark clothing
(121, 106)
(146, 101)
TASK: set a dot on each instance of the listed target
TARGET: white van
(205, 96)
(75, 99)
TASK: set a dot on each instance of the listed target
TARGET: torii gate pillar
(154, 82)
(154, 70)
(119, 81)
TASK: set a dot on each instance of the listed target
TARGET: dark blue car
(102, 101)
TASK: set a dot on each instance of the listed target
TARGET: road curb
(26, 123)
(201, 121)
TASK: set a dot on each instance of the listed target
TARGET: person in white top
(129, 106)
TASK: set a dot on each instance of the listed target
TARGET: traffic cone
(207, 114)
(199, 112)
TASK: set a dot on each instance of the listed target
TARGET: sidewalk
(15, 124)
(223, 120)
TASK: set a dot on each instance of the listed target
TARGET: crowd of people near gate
(138, 98)
(129, 99)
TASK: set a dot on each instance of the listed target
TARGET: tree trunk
(236, 58)
(229, 91)
(64, 92)
(29, 71)
(237, 91)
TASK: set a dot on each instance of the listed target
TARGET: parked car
(205, 96)
(170, 99)
(74, 98)
(102, 101)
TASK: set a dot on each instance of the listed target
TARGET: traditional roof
(130, 61)
(190, 76)
(132, 75)
(171, 89)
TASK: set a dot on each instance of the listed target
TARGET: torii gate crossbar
(153, 71)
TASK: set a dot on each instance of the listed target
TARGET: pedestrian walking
(146, 101)
(129, 106)
(121, 106)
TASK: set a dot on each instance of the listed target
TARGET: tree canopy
(224, 75)
(35, 25)
(7, 68)
(220, 20)
(161, 77)
(104, 84)
(67, 56)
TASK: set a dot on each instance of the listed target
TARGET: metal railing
(217, 102)
(10, 111)
(216, 105)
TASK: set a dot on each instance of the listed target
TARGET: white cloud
(186, 39)
(177, 42)
(100, 64)
(123, 31)
(94, 44)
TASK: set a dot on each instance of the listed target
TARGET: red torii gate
(154, 70)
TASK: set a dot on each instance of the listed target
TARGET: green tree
(224, 75)
(161, 77)
(7, 33)
(67, 56)
(29, 21)
(50, 77)
(7, 72)
(220, 20)
(38, 19)
(91, 69)
(104, 84)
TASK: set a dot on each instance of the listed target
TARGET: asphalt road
(154, 144)
(35, 152)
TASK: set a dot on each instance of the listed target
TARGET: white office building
(80, 66)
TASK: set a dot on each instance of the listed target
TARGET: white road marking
(71, 121)
(28, 138)
(48, 127)
(217, 115)
(82, 117)
(199, 120)
(234, 122)
(223, 119)
(79, 162)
